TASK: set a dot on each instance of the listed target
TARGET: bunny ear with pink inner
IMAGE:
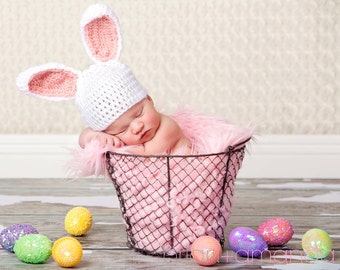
(100, 33)
(50, 81)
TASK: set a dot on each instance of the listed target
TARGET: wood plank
(105, 244)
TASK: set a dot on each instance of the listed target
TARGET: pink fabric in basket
(165, 217)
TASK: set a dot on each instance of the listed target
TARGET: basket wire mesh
(169, 201)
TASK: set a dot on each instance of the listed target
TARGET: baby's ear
(100, 33)
(50, 81)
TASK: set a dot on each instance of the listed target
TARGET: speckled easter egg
(206, 250)
(276, 231)
(33, 248)
(11, 234)
(78, 221)
(317, 244)
(67, 252)
(246, 242)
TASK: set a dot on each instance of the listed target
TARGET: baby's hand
(103, 138)
(107, 139)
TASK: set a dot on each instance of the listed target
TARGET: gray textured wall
(271, 63)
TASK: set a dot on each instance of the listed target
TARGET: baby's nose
(137, 127)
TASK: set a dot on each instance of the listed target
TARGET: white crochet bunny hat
(102, 92)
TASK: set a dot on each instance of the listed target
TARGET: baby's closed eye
(139, 114)
(123, 130)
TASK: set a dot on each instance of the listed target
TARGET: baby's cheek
(154, 120)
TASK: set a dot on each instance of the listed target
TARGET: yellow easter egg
(67, 252)
(78, 221)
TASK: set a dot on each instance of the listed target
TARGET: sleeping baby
(142, 127)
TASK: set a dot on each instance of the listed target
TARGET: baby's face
(137, 125)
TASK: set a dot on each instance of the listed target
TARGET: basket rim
(229, 149)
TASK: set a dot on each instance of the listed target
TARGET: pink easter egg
(276, 231)
(206, 250)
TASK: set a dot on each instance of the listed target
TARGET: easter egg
(246, 242)
(316, 243)
(206, 250)
(67, 252)
(33, 248)
(11, 234)
(276, 231)
(78, 221)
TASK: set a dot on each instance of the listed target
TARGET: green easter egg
(317, 244)
(33, 248)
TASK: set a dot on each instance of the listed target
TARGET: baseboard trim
(35, 156)
(270, 156)
(293, 156)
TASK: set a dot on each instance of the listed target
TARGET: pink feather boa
(208, 134)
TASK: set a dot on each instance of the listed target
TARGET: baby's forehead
(131, 112)
(126, 117)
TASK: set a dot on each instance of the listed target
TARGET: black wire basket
(169, 201)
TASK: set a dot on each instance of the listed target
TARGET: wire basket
(169, 201)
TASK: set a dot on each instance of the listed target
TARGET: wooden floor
(43, 203)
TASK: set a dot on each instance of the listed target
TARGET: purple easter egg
(247, 242)
(11, 234)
